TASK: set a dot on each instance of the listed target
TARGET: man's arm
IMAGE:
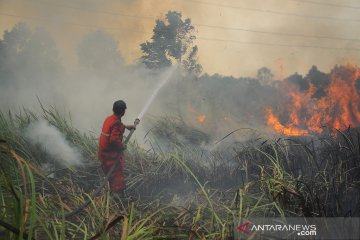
(132, 126)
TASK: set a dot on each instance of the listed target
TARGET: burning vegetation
(179, 188)
(187, 181)
(318, 101)
(201, 118)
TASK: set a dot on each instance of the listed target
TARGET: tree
(264, 75)
(27, 55)
(301, 83)
(171, 42)
(190, 63)
(320, 81)
(99, 52)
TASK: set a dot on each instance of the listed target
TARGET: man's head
(119, 107)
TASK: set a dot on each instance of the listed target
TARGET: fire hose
(113, 167)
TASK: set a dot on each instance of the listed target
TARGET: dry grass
(177, 190)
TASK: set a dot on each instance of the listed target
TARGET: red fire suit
(110, 151)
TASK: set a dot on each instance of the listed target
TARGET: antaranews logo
(244, 228)
(299, 229)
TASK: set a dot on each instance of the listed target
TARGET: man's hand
(130, 127)
(133, 127)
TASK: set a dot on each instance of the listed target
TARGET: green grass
(178, 190)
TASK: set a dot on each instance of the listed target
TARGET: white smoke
(53, 142)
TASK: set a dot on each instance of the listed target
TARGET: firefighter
(111, 147)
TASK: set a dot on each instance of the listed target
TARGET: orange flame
(201, 119)
(337, 108)
(274, 122)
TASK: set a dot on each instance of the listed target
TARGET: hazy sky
(234, 37)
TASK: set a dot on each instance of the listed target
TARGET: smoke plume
(53, 142)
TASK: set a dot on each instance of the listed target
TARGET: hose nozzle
(136, 122)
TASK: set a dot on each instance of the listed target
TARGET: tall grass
(179, 190)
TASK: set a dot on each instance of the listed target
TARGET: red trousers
(117, 179)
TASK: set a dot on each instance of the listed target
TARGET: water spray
(115, 165)
(156, 91)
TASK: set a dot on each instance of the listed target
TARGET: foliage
(177, 193)
(171, 42)
(27, 54)
(264, 75)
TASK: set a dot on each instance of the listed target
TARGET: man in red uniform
(111, 147)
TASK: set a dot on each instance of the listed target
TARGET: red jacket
(110, 151)
(110, 142)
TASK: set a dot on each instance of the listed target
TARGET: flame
(201, 119)
(306, 114)
(273, 121)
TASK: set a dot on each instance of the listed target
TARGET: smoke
(53, 142)
(31, 68)
(132, 22)
(33, 64)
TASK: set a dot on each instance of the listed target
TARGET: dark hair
(119, 107)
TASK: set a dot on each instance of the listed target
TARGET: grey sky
(240, 36)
